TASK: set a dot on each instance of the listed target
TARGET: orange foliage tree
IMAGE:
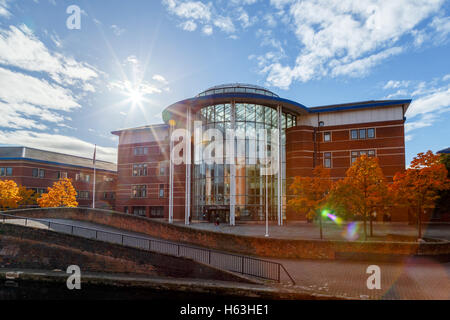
(363, 189)
(62, 194)
(9, 194)
(28, 196)
(310, 193)
(419, 185)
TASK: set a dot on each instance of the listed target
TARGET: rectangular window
(354, 134)
(362, 133)
(156, 212)
(140, 151)
(139, 211)
(62, 175)
(87, 178)
(139, 191)
(327, 160)
(77, 177)
(161, 191)
(83, 195)
(41, 173)
(35, 172)
(2, 172)
(327, 136)
(371, 133)
(5, 172)
(139, 169)
(356, 154)
(162, 171)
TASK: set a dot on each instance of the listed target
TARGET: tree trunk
(320, 225)
(371, 227)
(365, 224)
(419, 224)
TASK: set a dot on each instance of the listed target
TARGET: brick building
(38, 169)
(334, 136)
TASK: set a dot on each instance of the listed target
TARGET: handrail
(257, 273)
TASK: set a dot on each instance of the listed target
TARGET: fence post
(71, 232)
(209, 257)
(178, 249)
(26, 222)
(122, 239)
(242, 264)
(279, 271)
(96, 234)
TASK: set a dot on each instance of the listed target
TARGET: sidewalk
(331, 231)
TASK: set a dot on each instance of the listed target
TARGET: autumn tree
(362, 190)
(310, 194)
(62, 194)
(9, 194)
(28, 196)
(418, 186)
(443, 202)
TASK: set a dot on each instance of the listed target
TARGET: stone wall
(274, 248)
(24, 247)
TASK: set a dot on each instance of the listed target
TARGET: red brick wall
(22, 175)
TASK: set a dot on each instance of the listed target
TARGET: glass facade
(212, 181)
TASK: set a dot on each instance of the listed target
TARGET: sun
(135, 96)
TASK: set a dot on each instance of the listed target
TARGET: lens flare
(351, 232)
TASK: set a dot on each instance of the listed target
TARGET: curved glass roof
(237, 88)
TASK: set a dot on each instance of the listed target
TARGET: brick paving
(303, 230)
(416, 278)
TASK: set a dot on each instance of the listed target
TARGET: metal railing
(244, 265)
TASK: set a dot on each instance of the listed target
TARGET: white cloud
(345, 38)
(195, 10)
(437, 101)
(57, 143)
(393, 84)
(160, 78)
(208, 30)
(189, 25)
(117, 30)
(20, 48)
(4, 12)
(225, 24)
(17, 88)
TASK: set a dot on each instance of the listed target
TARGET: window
(139, 211)
(139, 191)
(139, 170)
(87, 178)
(62, 175)
(108, 179)
(327, 160)
(156, 212)
(77, 177)
(38, 173)
(5, 172)
(139, 151)
(161, 191)
(362, 134)
(321, 123)
(356, 154)
(327, 136)
(162, 171)
(83, 195)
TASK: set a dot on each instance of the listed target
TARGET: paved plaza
(304, 230)
(416, 278)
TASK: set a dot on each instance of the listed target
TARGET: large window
(62, 175)
(83, 195)
(212, 182)
(139, 211)
(139, 169)
(6, 172)
(362, 133)
(326, 136)
(140, 151)
(327, 160)
(356, 154)
(161, 191)
(139, 191)
(156, 212)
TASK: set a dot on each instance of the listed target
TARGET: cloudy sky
(66, 89)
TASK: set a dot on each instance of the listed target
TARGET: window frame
(327, 134)
(327, 156)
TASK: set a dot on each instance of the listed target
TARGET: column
(187, 209)
(232, 167)
(171, 167)
(280, 174)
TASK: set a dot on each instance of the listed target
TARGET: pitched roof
(44, 156)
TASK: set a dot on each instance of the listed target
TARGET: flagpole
(93, 192)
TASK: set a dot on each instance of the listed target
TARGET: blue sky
(64, 90)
